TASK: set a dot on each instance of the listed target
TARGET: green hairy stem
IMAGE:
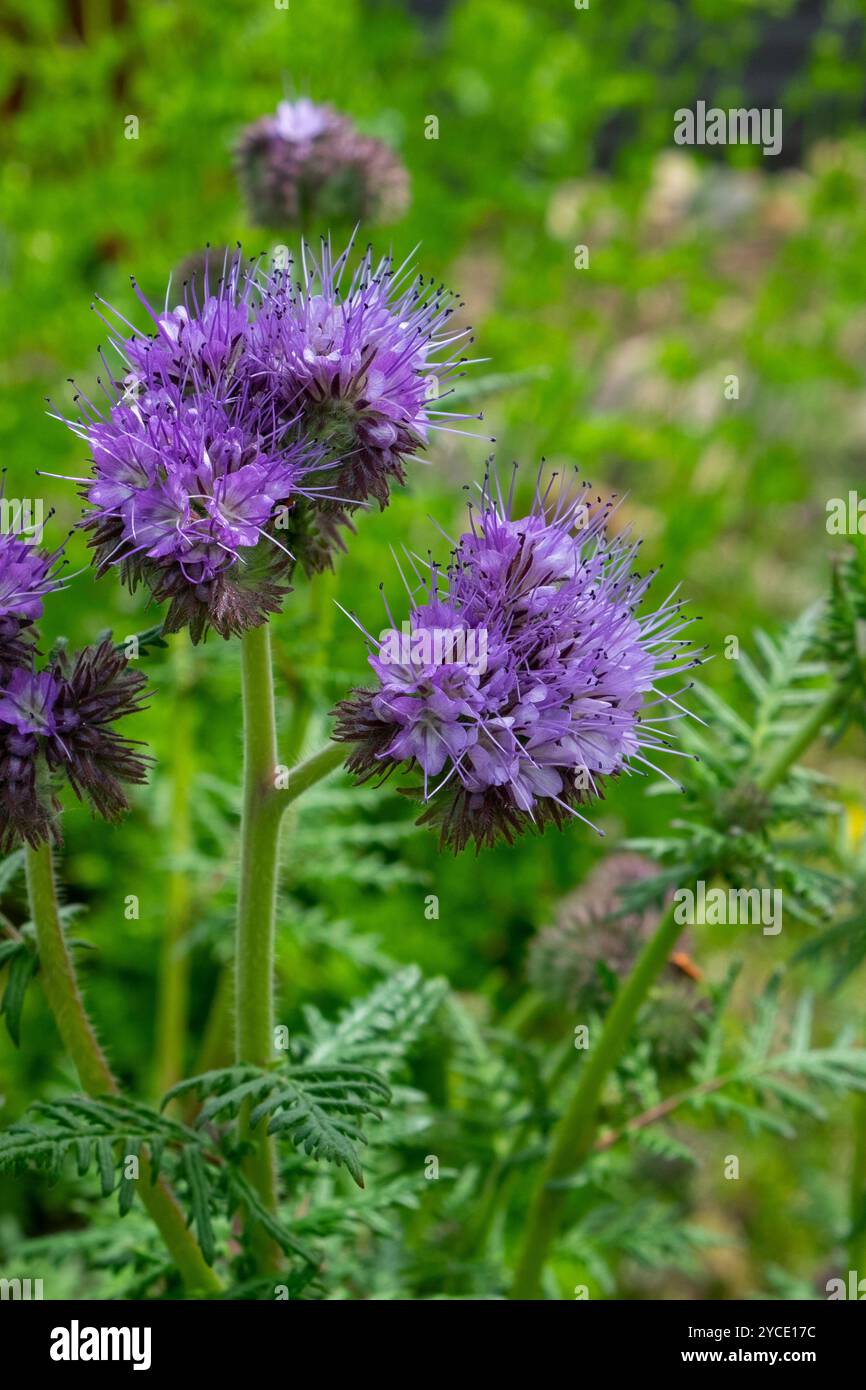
(574, 1135)
(263, 807)
(60, 985)
(173, 988)
(257, 896)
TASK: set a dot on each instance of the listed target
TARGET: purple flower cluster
(56, 723)
(358, 364)
(26, 576)
(248, 425)
(191, 464)
(309, 163)
(554, 709)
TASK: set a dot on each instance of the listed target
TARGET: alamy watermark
(737, 126)
(846, 516)
(77, 1343)
(20, 1289)
(702, 906)
(853, 1287)
(434, 646)
(23, 517)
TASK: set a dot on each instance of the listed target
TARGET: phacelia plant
(243, 436)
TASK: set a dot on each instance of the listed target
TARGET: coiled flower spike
(57, 725)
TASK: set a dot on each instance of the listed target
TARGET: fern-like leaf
(91, 1130)
(380, 1030)
(318, 1108)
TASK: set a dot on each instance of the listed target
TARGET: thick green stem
(263, 807)
(299, 780)
(574, 1136)
(59, 982)
(254, 955)
(173, 990)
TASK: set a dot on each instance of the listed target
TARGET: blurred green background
(555, 130)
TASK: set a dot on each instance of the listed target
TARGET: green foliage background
(700, 267)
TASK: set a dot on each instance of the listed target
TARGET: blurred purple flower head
(57, 725)
(309, 163)
(362, 365)
(570, 668)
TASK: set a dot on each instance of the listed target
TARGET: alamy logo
(846, 516)
(434, 646)
(855, 1287)
(21, 1288)
(23, 517)
(738, 126)
(714, 907)
(76, 1343)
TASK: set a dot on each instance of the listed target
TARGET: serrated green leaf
(199, 1191)
(250, 1200)
(105, 1163)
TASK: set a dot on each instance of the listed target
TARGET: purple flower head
(27, 574)
(57, 725)
(197, 466)
(310, 163)
(191, 502)
(244, 431)
(524, 674)
(362, 364)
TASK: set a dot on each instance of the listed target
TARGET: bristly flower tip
(363, 364)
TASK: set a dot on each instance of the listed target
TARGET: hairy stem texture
(60, 984)
(254, 954)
